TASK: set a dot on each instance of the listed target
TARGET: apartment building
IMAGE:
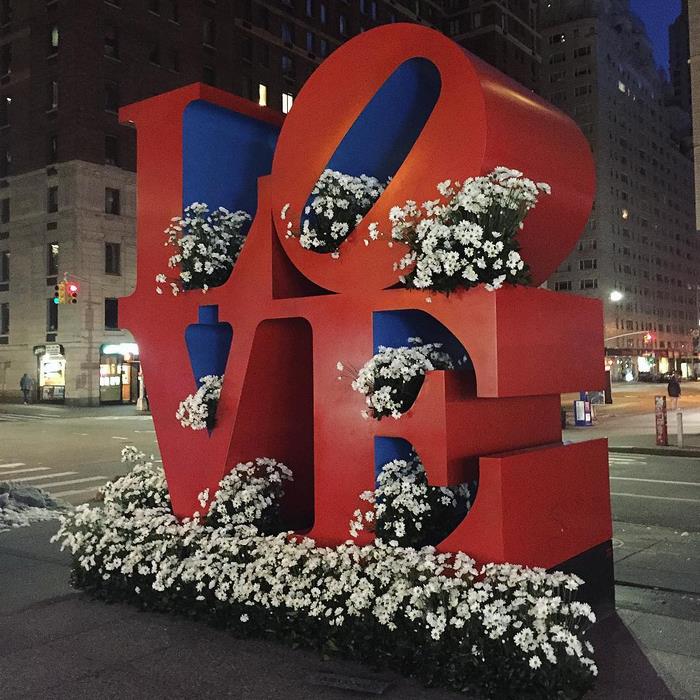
(639, 252)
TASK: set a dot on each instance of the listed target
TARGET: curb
(663, 451)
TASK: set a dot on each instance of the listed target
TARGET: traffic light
(72, 293)
(59, 294)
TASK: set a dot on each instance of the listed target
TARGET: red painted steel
(281, 397)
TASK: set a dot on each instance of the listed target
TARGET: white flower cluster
(391, 379)
(488, 616)
(405, 511)
(206, 246)
(250, 493)
(338, 204)
(198, 409)
(468, 235)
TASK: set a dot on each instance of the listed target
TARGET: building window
(563, 286)
(111, 43)
(174, 60)
(53, 41)
(52, 200)
(476, 20)
(309, 8)
(262, 94)
(53, 95)
(5, 268)
(322, 12)
(53, 149)
(5, 160)
(287, 100)
(52, 259)
(112, 203)
(323, 47)
(287, 33)
(5, 210)
(111, 150)
(342, 25)
(590, 264)
(582, 51)
(5, 103)
(5, 11)
(154, 6)
(154, 54)
(112, 314)
(6, 59)
(5, 319)
(51, 316)
(208, 31)
(174, 11)
(209, 75)
(113, 258)
(588, 284)
(111, 96)
(310, 42)
(287, 65)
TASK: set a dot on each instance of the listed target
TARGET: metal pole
(679, 427)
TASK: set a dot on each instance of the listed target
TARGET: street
(69, 452)
(654, 490)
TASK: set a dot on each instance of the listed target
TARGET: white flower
(244, 618)
(535, 662)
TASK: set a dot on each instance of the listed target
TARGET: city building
(694, 34)
(67, 203)
(639, 252)
(679, 54)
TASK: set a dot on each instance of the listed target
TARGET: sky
(657, 15)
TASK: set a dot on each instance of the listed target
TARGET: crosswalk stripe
(25, 471)
(655, 481)
(11, 464)
(75, 492)
(657, 498)
(74, 481)
(47, 476)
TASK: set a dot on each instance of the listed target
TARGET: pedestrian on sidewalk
(25, 384)
(674, 391)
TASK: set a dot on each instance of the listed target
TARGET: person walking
(25, 384)
(674, 391)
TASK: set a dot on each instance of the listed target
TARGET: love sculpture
(405, 101)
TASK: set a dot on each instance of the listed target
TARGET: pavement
(57, 643)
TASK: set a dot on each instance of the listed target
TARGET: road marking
(25, 471)
(657, 498)
(75, 492)
(119, 437)
(47, 476)
(74, 481)
(627, 460)
(144, 431)
(11, 464)
(656, 481)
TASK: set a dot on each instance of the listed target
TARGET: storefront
(119, 373)
(51, 373)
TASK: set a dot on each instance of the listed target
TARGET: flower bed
(503, 631)
(391, 379)
(468, 235)
(198, 411)
(205, 246)
(338, 204)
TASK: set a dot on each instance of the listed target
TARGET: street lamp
(616, 296)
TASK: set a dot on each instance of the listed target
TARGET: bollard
(679, 427)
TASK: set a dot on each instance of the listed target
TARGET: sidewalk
(636, 433)
(56, 643)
